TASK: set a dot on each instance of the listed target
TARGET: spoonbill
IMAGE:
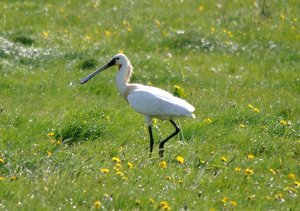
(150, 101)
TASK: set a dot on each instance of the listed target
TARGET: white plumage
(154, 102)
(149, 101)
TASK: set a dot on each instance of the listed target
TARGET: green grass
(224, 54)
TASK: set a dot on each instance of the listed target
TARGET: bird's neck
(123, 79)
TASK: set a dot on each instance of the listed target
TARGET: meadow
(66, 146)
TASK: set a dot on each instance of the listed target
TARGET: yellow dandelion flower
(49, 154)
(120, 51)
(87, 37)
(163, 164)
(212, 29)
(291, 176)
(97, 204)
(272, 171)
(51, 134)
(154, 121)
(116, 159)
(107, 33)
(229, 33)
(207, 120)
(200, 8)
(233, 203)
(282, 17)
(248, 171)
(180, 181)
(117, 167)
(129, 165)
(180, 159)
(224, 159)
(13, 178)
(256, 110)
(250, 156)
(125, 178)
(151, 201)
(297, 184)
(242, 126)
(237, 169)
(283, 122)
(164, 205)
(279, 197)
(2, 178)
(1, 161)
(104, 170)
(224, 200)
(178, 91)
(120, 173)
(46, 34)
(250, 106)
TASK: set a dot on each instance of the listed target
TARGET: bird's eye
(117, 58)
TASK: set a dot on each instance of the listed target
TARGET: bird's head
(118, 59)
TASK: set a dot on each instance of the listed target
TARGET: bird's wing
(152, 101)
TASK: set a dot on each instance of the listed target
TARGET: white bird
(150, 101)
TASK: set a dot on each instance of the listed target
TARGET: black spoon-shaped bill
(109, 64)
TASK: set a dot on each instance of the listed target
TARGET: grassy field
(68, 146)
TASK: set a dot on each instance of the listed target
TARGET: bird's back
(156, 102)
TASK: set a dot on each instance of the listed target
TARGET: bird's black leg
(151, 139)
(161, 144)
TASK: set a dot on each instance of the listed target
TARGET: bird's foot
(161, 152)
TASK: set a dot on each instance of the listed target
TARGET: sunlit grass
(65, 146)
